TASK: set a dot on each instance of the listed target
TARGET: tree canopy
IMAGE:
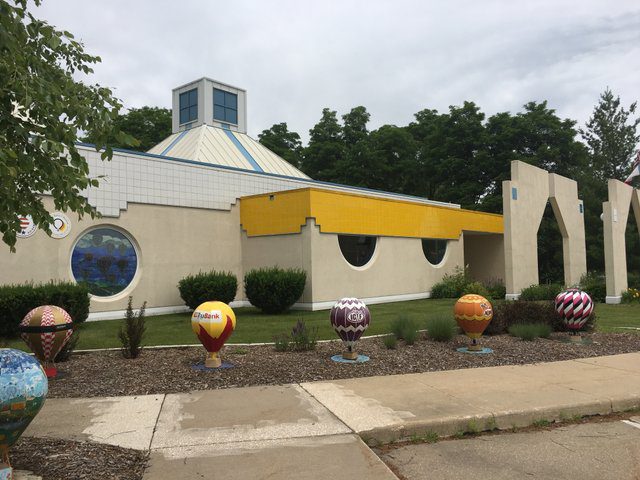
(42, 109)
(461, 156)
(148, 125)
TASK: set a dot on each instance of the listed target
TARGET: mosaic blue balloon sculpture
(23, 389)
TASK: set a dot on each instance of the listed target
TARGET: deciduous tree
(42, 109)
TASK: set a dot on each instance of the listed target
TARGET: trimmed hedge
(519, 312)
(547, 291)
(17, 300)
(208, 286)
(595, 285)
(274, 290)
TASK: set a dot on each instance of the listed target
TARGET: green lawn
(252, 326)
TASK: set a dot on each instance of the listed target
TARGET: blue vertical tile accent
(514, 193)
(243, 150)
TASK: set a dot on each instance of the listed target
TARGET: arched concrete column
(615, 213)
(569, 212)
(524, 199)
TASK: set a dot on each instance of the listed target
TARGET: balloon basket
(201, 367)
(481, 351)
(357, 359)
(213, 362)
(51, 371)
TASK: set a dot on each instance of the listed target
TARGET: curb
(506, 420)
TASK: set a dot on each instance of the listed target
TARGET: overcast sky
(394, 57)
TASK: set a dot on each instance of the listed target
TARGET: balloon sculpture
(473, 313)
(23, 389)
(350, 317)
(45, 330)
(574, 307)
(213, 323)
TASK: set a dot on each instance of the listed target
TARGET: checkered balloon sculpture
(23, 389)
(350, 317)
(574, 307)
(45, 330)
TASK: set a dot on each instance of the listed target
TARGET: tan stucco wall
(172, 242)
(398, 267)
(568, 210)
(285, 251)
(615, 215)
(522, 217)
(484, 257)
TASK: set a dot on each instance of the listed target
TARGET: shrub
(633, 279)
(496, 288)
(631, 295)
(530, 331)
(274, 290)
(67, 349)
(452, 285)
(506, 314)
(477, 288)
(547, 291)
(281, 342)
(390, 341)
(300, 339)
(208, 286)
(405, 329)
(442, 329)
(595, 285)
(17, 300)
(132, 331)
(303, 338)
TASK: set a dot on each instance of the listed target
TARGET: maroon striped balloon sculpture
(350, 317)
(574, 307)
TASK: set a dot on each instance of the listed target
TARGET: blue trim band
(268, 174)
(175, 140)
(243, 150)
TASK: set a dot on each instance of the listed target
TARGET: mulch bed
(55, 459)
(170, 370)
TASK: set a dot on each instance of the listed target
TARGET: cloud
(395, 58)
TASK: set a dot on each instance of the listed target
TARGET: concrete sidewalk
(315, 430)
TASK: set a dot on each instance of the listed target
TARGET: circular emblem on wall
(27, 227)
(61, 225)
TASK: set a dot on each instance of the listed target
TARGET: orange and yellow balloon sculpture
(213, 323)
(473, 313)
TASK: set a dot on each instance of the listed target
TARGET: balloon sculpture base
(470, 349)
(576, 339)
(357, 359)
(202, 367)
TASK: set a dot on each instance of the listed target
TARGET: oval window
(434, 249)
(357, 249)
(105, 260)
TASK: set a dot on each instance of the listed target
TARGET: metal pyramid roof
(219, 146)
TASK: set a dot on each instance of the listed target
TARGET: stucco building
(211, 197)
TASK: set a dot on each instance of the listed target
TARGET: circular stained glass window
(105, 260)
(357, 249)
(434, 250)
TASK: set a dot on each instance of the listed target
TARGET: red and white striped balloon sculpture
(574, 307)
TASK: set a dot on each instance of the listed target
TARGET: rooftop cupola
(209, 102)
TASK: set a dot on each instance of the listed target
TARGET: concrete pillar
(569, 212)
(524, 199)
(615, 213)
